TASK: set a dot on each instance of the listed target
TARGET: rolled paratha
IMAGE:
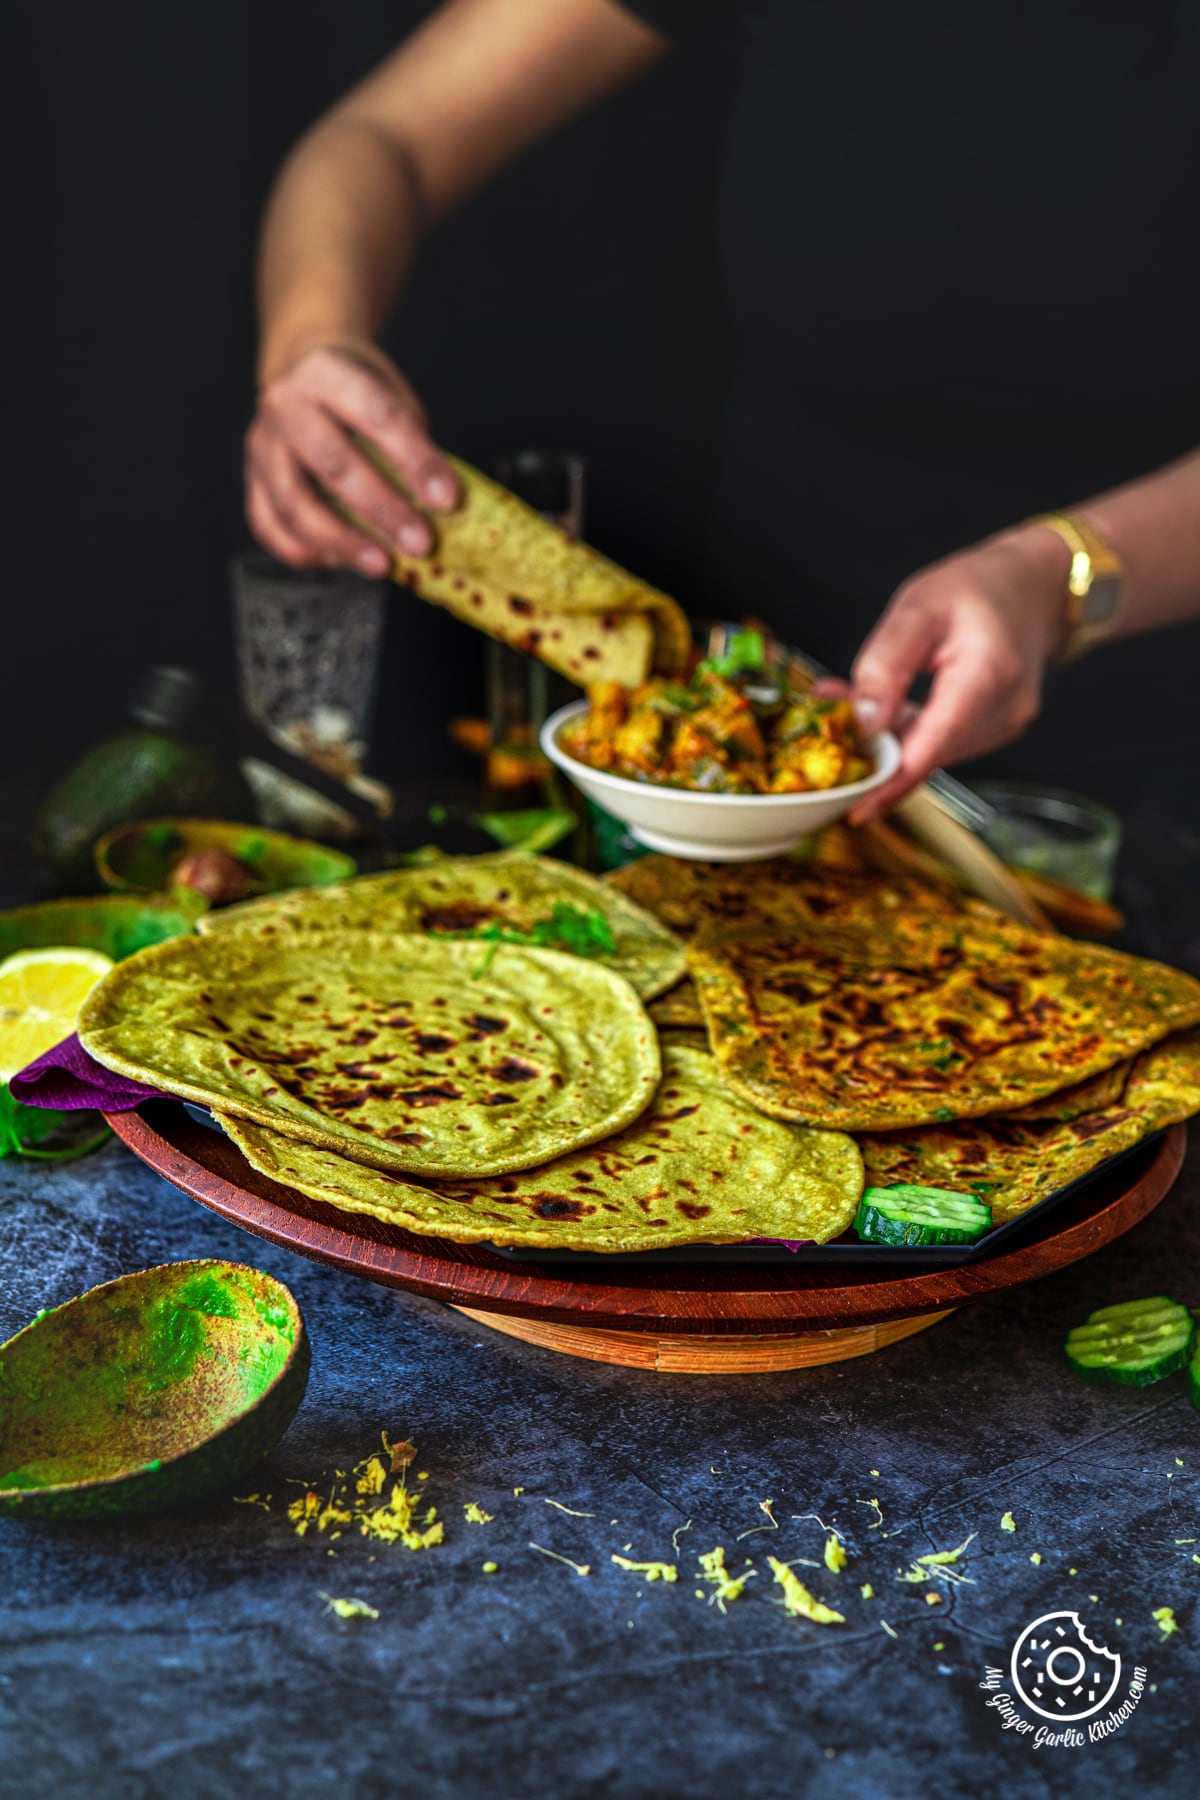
(918, 1018)
(698, 1167)
(460, 895)
(400, 1051)
(504, 568)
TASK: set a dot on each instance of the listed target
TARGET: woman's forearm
(480, 81)
(1154, 526)
(340, 232)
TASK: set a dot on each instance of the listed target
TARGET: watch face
(1100, 602)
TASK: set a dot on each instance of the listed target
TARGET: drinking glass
(308, 648)
(1066, 836)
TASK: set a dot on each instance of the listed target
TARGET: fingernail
(440, 491)
(373, 562)
(868, 712)
(414, 539)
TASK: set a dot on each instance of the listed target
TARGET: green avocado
(154, 1390)
(135, 775)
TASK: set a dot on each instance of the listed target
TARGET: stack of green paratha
(410, 1045)
(698, 1166)
(965, 1051)
(463, 1049)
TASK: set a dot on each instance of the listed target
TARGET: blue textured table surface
(193, 1655)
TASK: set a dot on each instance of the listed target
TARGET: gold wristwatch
(1093, 585)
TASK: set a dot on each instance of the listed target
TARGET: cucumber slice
(1194, 1372)
(908, 1215)
(1136, 1343)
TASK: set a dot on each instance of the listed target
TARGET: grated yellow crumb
(653, 1571)
(941, 1557)
(373, 1476)
(1007, 1522)
(349, 1609)
(867, 1591)
(489, 1568)
(1036, 1557)
(798, 1601)
(726, 1587)
(932, 1599)
(304, 1511)
(835, 1553)
(1165, 1619)
(474, 1514)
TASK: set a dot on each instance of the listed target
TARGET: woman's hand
(300, 435)
(984, 624)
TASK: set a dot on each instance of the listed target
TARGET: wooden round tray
(686, 1319)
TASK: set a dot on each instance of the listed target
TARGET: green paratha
(1012, 1163)
(461, 894)
(917, 1019)
(782, 890)
(678, 1010)
(1008, 1165)
(400, 1051)
(1088, 1096)
(1164, 1083)
(698, 1167)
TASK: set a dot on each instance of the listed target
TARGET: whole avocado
(137, 774)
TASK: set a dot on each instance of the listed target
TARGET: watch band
(1094, 583)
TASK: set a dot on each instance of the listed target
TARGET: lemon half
(41, 992)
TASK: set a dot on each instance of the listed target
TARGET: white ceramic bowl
(714, 827)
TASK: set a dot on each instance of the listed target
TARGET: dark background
(573, 303)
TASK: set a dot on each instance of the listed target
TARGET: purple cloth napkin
(69, 1080)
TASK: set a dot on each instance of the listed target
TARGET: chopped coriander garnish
(577, 930)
